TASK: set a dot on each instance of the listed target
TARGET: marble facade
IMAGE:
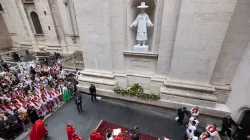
(195, 46)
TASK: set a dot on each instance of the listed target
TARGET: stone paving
(150, 122)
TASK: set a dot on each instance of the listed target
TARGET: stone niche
(132, 12)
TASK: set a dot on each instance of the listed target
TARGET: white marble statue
(142, 21)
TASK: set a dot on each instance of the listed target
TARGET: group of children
(30, 85)
(191, 131)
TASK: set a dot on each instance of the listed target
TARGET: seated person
(3, 125)
(12, 120)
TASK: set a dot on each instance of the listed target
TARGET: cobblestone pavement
(150, 122)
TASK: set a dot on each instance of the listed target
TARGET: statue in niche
(142, 21)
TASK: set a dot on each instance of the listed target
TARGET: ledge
(39, 34)
(98, 81)
(98, 74)
(142, 54)
(28, 2)
(220, 110)
(206, 88)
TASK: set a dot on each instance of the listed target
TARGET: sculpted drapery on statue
(142, 21)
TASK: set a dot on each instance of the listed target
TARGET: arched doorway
(36, 23)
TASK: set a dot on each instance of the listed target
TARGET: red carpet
(106, 127)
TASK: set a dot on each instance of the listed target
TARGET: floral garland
(137, 90)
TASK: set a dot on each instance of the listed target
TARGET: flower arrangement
(137, 90)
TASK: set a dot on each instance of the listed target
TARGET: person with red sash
(212, 129)
(38, 131)
(59, 95)
(205, 136)
(70, 131)
(94, 135)
(44, 104)
(195, 111)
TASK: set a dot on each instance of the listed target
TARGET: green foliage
(137, 90)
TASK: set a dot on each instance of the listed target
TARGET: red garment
(70, 131)
(118, 138)
(77, 138)
(195, 110)
(38, 131)
(95, 136)
(211, 129)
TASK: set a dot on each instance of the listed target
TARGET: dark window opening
(1, 8)
(36, 23)
(45, 13)
(49, 27)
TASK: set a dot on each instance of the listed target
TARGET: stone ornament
(142, 21)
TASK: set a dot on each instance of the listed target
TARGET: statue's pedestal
(139, 48)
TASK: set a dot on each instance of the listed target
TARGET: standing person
(65, 96)
(76, 137)
(38, 131)
(78, 102)
(227, 126)
(181, 114)
(94, 135)
(212, 130)
(136, 133)
(195, 112)
(70, 131)
(4, 65)
(92, 90)
(109, 136)
(32, 71)
(190, 130)
(32, 114)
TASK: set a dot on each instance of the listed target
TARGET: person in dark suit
(32, 114)
(78, 102)
(136, 133)
(92, 90)
(227, 126)
(181, 114)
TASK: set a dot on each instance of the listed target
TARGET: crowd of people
(30, 91)
(210, 133)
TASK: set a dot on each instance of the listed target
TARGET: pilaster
(201, 30)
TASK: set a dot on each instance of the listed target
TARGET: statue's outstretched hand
(151, 25)
(131, 25)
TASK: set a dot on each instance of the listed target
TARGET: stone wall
(235, 43)
(5, 39)
(238, 101)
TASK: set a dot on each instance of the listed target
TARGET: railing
(74, 60)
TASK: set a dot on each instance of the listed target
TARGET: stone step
(194, 98)
(106, 84)
(97, 80)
